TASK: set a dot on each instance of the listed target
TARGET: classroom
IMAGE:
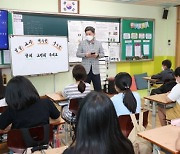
(164, 40)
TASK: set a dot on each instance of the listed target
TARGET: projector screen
(3, 29)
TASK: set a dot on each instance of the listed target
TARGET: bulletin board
(137, 39)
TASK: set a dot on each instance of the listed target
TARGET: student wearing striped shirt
(79, 89)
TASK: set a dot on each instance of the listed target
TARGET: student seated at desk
(126, 101)
(173, 96)
(166, 77)
(166, 74)
(97, 128)
(79, 89)
(25, 108)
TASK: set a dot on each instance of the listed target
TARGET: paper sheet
(18, 28)
(126, 36)
(75, 31)
(129, 50)
(106, 49)
(137, 50)
(148, 36)
(113, 32)
(146, 49)
(6, 56)
(114, 50)
(102, 31)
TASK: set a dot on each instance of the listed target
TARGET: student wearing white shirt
(126, 101)
(173, 96)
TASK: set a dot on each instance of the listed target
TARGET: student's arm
(174, 94)
(53, 111)
(157, 76)
(178, 143)
(5, 119)
(80, 52)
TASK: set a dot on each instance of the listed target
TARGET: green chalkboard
(137, 39)
(47, 24)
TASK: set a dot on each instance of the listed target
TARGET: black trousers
(96, 80)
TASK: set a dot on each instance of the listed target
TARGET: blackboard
(47, 24)
(143, 39)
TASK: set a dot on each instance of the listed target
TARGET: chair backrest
(74, 105)
(15, 137)
(126, 124)
(2, 109)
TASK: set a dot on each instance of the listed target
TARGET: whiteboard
(33, 55)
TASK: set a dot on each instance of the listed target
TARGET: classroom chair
(2, 109)
(73, 107)
(38, 138)
(126, 124)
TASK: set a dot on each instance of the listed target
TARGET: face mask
(89, 37)
(177, 81)
(162, 68)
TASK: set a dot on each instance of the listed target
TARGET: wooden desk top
(149, 78)
(55, 97)
(53, 151)
(165, 137)
(159, 98)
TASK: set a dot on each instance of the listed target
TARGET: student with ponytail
(126, 101)
(78, 89)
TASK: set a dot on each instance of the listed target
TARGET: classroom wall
(164, 30)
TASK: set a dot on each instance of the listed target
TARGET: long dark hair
(20, 93)
(97, 128)
(123, 81)
(79, 73)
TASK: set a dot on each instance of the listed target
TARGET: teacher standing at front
(90, 50)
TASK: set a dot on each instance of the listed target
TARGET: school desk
(53, 151)
(164, 137)
(157, 99)
(149, 80)
(55, 97)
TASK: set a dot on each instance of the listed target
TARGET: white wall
(164, 29)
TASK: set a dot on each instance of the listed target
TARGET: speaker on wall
(165, 14)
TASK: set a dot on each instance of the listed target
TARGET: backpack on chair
(141, 146)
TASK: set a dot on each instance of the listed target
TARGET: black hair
(177, 72)
(79, 73)
(2, 87)
(167, 63)
(90, 28)
(97, 128)
(20, 93)
(123, 81)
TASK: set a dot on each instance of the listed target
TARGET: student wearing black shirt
(166, 74)
(25, 108)
(166, 77)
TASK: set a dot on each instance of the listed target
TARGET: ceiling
(160, 3)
